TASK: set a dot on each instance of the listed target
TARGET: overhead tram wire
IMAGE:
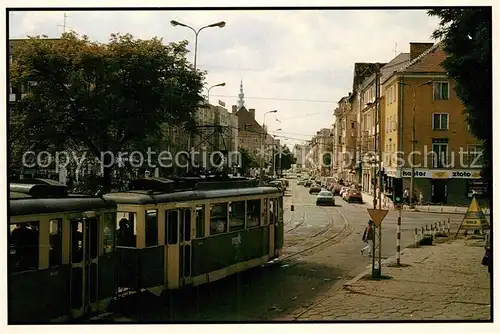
(279, 99)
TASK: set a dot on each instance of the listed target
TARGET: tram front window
(200, 221)
(126, 229)
(273, 209)
(76, 241)
(23, 246)
(108, 237)
(218, 218)
(253, 213)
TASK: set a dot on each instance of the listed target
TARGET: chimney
(416, 49)
(252, 113)
(233, 109)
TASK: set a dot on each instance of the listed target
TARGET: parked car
(277, 184)
(300, 182)
(315, 188)
(354, 195)
(307, 183)
(325, 197)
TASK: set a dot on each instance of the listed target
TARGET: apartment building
(321, 152)
(346, 125)
(419, 95)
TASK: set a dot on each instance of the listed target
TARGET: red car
(353, 196)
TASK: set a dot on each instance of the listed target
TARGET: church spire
(241, 95)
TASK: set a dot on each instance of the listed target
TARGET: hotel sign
(443, 174)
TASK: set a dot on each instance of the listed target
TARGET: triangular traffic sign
(474, 217)
(377, 215)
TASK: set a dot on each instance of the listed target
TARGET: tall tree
(466, 33)
(247, 161)
(286, 160)
(103, 96)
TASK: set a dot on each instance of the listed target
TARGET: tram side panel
(35, 296)
(226, 250)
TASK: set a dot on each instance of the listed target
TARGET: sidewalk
(442, 282)
(368, 200)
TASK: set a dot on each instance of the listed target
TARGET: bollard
(423, 232)
(416, 237)
(448, 226)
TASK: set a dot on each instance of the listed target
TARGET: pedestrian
(421, 198)
(406, 196)
(368, 236)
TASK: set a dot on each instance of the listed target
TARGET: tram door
(270, 206)
(84, 250)
(185, 245)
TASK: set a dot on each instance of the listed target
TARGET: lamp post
(261, 172)
(275, 173)
(174, 23)
(208, 90)
(220, 24)
(413, 141)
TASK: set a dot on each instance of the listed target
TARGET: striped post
(398, 242)
(416, 237)
(448, 226)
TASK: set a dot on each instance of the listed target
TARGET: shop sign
(443, 174)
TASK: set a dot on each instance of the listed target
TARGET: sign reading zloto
(443, 174)
(377, 216)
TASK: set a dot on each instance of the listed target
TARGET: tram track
(345, 231)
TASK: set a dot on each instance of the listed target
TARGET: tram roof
(21, 204)
(142, 197)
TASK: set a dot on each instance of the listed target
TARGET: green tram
(169, 238)
(71, 255)
(61, 253)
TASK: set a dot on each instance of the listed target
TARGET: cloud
(282, 56)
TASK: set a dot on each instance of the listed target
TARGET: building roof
(388, 70)
(428, 62)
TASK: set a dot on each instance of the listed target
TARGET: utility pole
(64, 23)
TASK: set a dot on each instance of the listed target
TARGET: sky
(298, 62)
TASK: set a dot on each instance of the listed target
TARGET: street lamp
(413, 141)
(208, 90)
(261, 173)
(220, 24)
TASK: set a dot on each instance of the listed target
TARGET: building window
(126, 229)
(439, 153)
(441, 91)
(440, 121)
(352, 125)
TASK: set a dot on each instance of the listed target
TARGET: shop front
(444, 186)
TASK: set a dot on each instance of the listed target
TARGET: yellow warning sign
(377, 216)
(474, 218)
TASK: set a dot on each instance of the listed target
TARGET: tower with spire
(241, 95)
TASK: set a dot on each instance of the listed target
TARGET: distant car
(325, 197)
(300, 182)
(307, 183)
(354, 196)
(314, 189)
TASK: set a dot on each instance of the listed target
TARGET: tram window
(253, 213)
(24, 245)
(218, 218)
(187, 224)
(76, 241)
(273, 209)
(236, 216)
(108, 239)
(151, 228)
(55, 251)
(200, 221)
(126, 229)
(172, 229)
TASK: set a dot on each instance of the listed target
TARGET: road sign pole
(377, 217)
(398, 241)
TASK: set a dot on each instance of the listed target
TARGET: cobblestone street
(441, 282)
